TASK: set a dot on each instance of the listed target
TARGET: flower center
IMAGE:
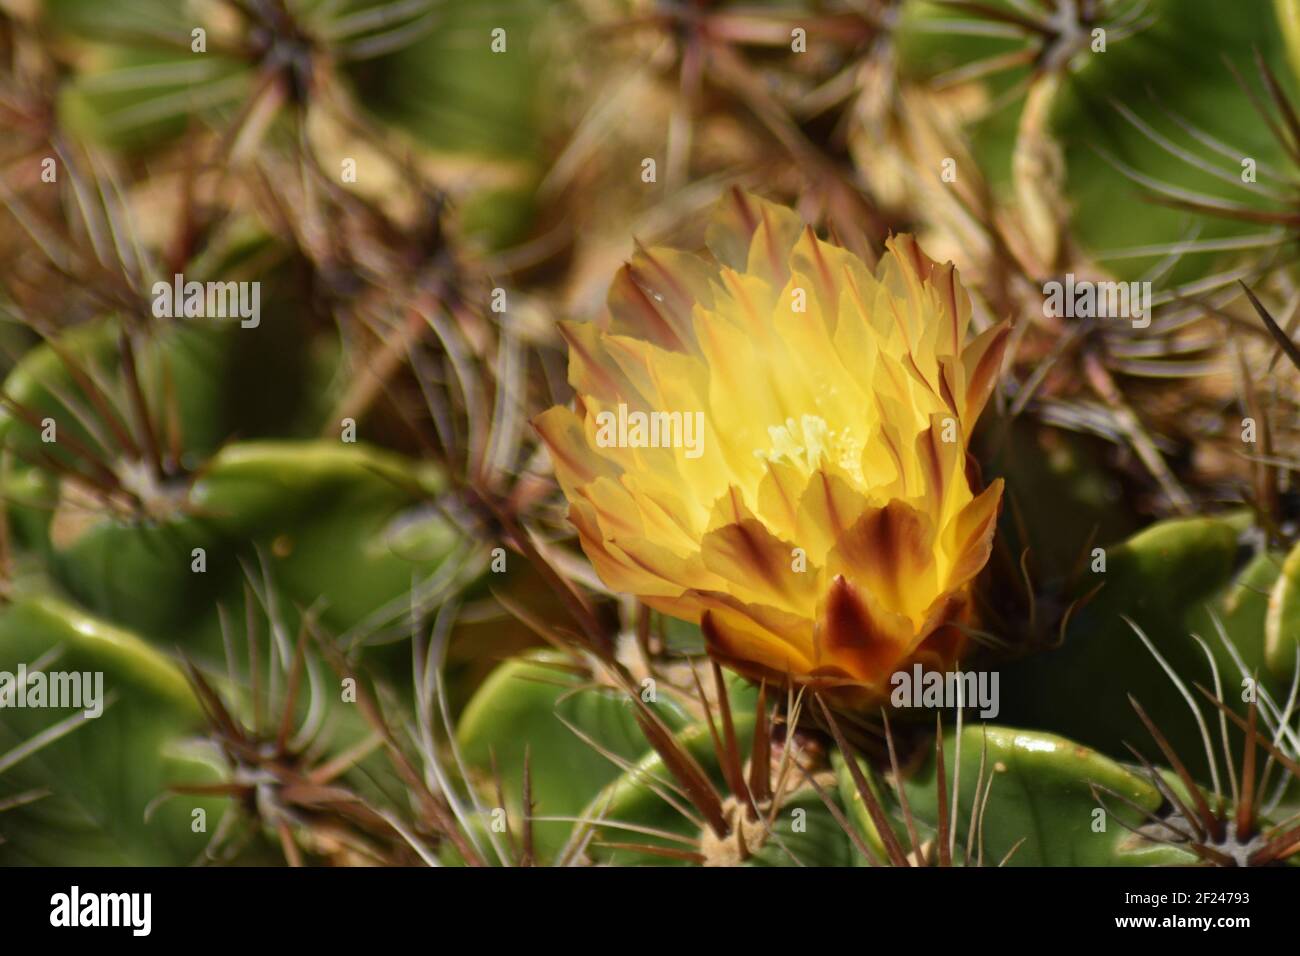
(810, 441)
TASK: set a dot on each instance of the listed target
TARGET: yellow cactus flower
(773, 445)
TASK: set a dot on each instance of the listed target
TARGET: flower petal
(857, 635)
(889, 552)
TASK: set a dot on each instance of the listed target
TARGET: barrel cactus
(767, 435)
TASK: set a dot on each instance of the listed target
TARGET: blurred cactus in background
(309, 313)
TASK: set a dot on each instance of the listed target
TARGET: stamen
(810, 441)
